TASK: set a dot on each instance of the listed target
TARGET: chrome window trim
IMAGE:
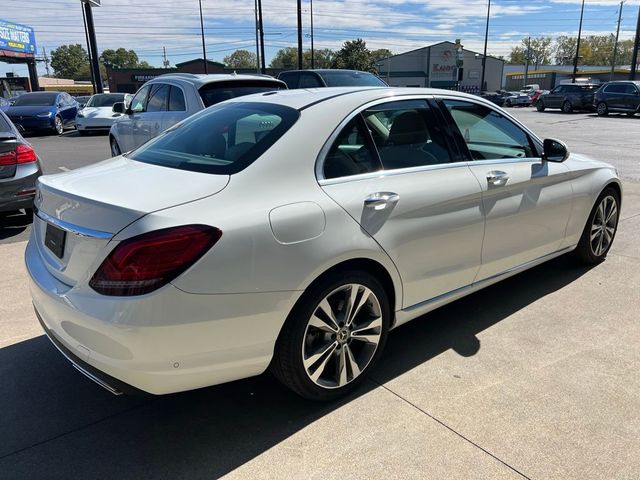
(71, 228)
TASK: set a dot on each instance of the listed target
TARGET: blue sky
(400, 25)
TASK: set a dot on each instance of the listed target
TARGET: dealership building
(436, 66)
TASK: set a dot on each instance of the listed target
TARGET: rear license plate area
(54, 240)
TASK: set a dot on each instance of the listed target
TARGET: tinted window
(292, 79)
(630, 89)
(347, 78)
(405, 134)
(176, 100)
(105, 100)
(217, 92)
(309, 80)
(158, 98)
(4, 124)
(488, 134)
(223, 140)
(36, 99)
(614, 88)
(559, 89)
(139, 102)
(351, 153)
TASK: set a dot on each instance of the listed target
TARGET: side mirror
(554, 150)
(118, 107)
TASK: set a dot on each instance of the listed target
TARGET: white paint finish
(102, 117)
(65, 169)
(433, 233)
(526, 217)
(297, 222)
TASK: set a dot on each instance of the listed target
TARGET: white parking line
(65, 169)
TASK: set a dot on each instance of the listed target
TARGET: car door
(128, 125)
(152, 120)
(526, 201)
(555, 96)
(392, 169)
(615, 98)
(631, 98)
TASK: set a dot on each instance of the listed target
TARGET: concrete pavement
(535, 377)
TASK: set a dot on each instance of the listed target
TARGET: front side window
(630, 89)
(614, 88)
(557, 90)
(488, 134)
(139, 102)
(351, 152)
(222, 140)
(217, 92)
(406, 134)
(158, 98)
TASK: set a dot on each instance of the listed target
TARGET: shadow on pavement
(57, 424)
(14, 223)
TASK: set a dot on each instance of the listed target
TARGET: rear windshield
(105, 100)
(217, 92)
(351, 79)
(223, 139)
(36, 100)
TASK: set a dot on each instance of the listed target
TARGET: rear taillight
(145, 263)
(22, 154)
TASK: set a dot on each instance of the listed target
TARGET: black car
(619, 96)
(568, 97)
(19, 169)
(329, 78)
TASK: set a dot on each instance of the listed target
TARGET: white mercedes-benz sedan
(294, 229)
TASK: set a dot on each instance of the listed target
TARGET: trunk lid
(92, 204)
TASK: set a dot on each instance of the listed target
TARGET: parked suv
(166, 100)
(568, 97)
(619, 96)
(329, 78)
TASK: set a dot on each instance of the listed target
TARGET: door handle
(379, 200)
(497, 177)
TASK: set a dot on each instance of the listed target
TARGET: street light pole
(95, 63)
(262, 60)
(634, 57)
(299, 34)
(615, 45)
(255, 11)
(204, 49)
(311, 8)
(575, 59)
(486, 38)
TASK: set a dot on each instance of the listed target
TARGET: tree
(540, 51)
(516, 57)
(287, 58)
(356, 56)
(68, 60)
(565, 50)
(381, 53)
(322, 58)
(120, 58)
(241, 59)
(84, 72)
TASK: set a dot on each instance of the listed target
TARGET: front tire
(567, 107)
(58, 126)
(602, 110)
(115, 148)
(600, 230)
(540, 106)
(333, 336)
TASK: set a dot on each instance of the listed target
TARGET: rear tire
(326, 346)
(600, 230)
(602, 110)
(540, 106)
(567, 107)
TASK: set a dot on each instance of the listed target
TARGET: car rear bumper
(18, 191)
(164, 342)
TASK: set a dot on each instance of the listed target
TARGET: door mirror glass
(118, 107)
(554, 150)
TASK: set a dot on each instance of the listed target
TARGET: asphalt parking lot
(535, 377)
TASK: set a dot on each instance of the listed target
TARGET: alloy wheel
(342, 336)
(603, 226)
(58, 125)
(602, 108)
(115, 149)
(567, 107)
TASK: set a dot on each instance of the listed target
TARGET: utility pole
(165, 62)
(86, 35)
(615, 45)
(46, 61)
(299, 34)
(527, 55)
(95, 64)
(486, 38)
(575, 59)
(204, 49)
(311, 8)
(262, 60)
(255, 11)
(634, 57)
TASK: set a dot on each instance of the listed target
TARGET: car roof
(198, 80)
(302, 98)
(322, 70)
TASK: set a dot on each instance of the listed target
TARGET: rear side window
(222, 140)
(158, 98)
(292, 79)
(614, 88)
(176, 100)
(630, 89)
(217, 92)
(309, 80)
(351, 153)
